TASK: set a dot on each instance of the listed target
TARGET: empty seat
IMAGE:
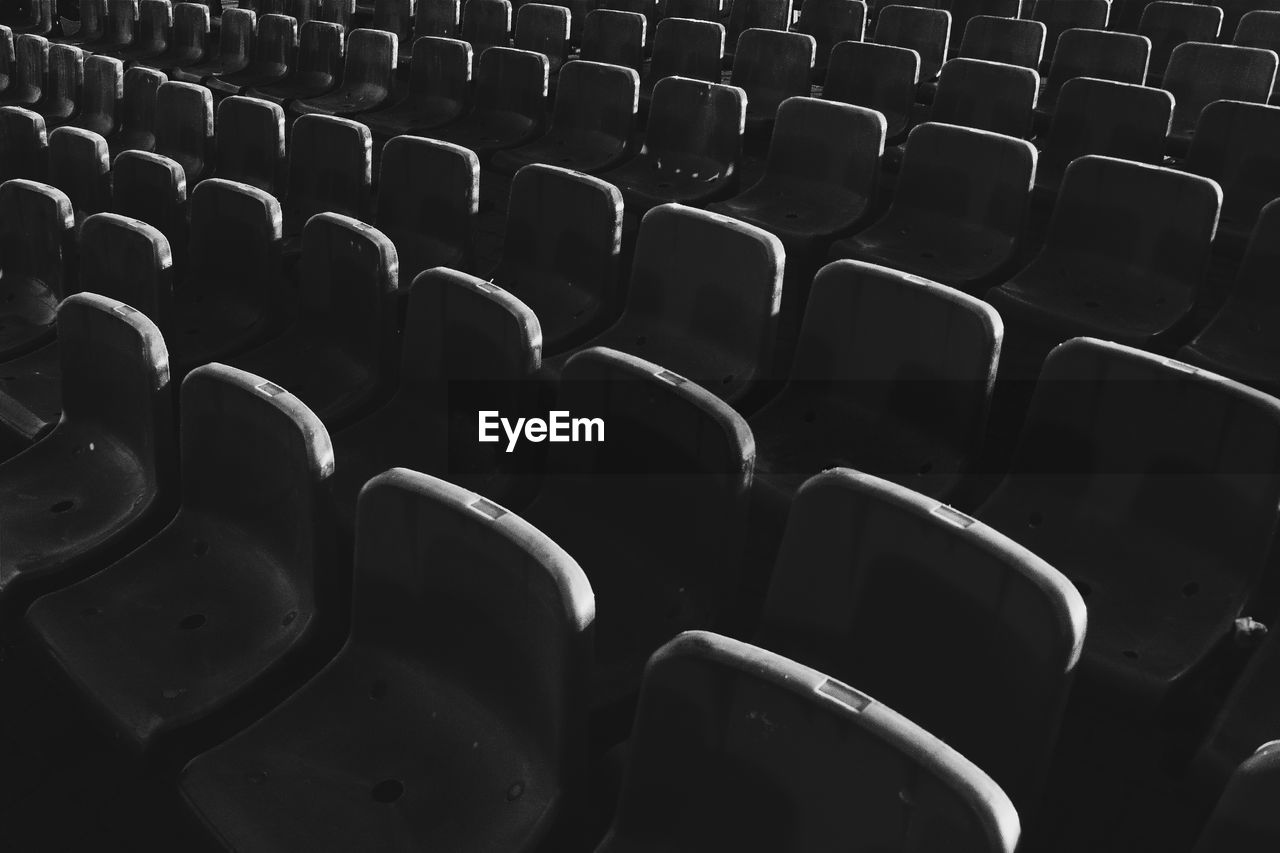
(675, 457)
(127, 259)
(1122, 57)
(467, 346)
(439, 18)
(830, 22)
(987, 95)
(1103, 117)
(188, 39)
(879, 77)
(544, 29)
(8, 57)
(235, 48)
(428, 201)
(80, 166)
(319, 63)
(484, 582)
(37, 262)
(341, 350)
(958, 210)
(771, 66)
(560, 253)
(184, 128)
(94, 25)
(35, 17)
(1008, 40)
(651, 9)
(30, 71)
(395, 17)
(1234, 144)
(1244, 816)
(1240, 341)
(591, 124)
(691, 266)
(486, 24)
(101, 96)
(510, 103)
(1126, 469)
(1168, 25)
(24, 145)
(1259, 28)
(697, 10)
(755, 15)
(228, 302)
(250, 143)
(65, 512)
(121, 27)
(818, 180)
(1200, 73)
(1127, 248)
(691, 146)
(230, 593)
(275, 52)
(153, 188)
(926, 31)
(616, 38)
(892, 375)
(366, 78)
(729, 737)
(151, 35)
(136, 127)
(684, 48)
(1235, 11)
(337, 12)
(330, 169)
(439, 90)
(859, 550)
(1058, 16)
(59, 101)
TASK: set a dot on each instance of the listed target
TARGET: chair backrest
(926, 31)
(66, 80)
(986, 95)
(1259, 28)
(37, 227)
(372, 56)
(441, 18)
(138, 102)
(155, 24)
(876, 76)
(80, 166)
(687, 48)
(614, 37)
(225, 213)
(31, 69)
(277, 41)
(428, 196)
(24, 144)
(184, 126)
(395, 17)
(596, 98)
(1244, 816)
(1169, 24)
(128, 260)
(102, 94)
(544, 28)
(1233, 145)
(512, 81)
(250, 141)
(191, 28)
(1200, 73)
(237, 28)
(330, 167)
(1058, 16)
(831, 22)
(1122, 57)
(441, 68)
(770, 65)
(757, 14)
(486, 22)
(1010, 40)
(696, 117)
(321, 49)
(152, 188)
(827, 142)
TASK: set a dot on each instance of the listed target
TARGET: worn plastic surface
(187, 40)
(616, 38)
(486, 24)
(510, 103)
(439, 90)
(275, 53)
(1058, 16)
(684, 48)
(1199, 74)
(771, 66)
(236, 30)
(79, 165)
(1122, 57)
(24, 144)
(1168, 25)
(136, 128)
(153, 189)
(926, 31)
(59, 101)
(1007, 40)
(986, 95)
(879, 77)
(544, 29)
(1259, 28)
(330, 169)
(1234, 145)
(428, 202)
(366, 79)
(37, 262)
(1245, 816)
(30, 73)
(321, 48)
(250, 143)
(152, 33)
(184, 128)
(755, 14)
(99, 107)
(440, 18)
(830, 22)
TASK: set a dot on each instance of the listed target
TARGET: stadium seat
(926, 31)
(100, 100)
(136, 128)
(37, 263)
(986, 95)
(728, 738)
(1234, 11)
(250, 143)
(31, 71)
(395, 17)
(130, 261)
(964, 11)
(1232, 145)
(697, 10)
(338, 12)
(859, 550)
(184, 128)
(80, 166)
(957, 213)
(893, 375)
(591, 123)
(485, 24)
(121, 30)
(1244, 817)
(689, 267)
(152, 33)
(1120, 57)
(319, 65)
(560, 252)
(1059, 16)
(330, 170)
(59, 101)
(340, 351)
(1238, 342)
(468, 346)
(439, 90)
(38, 20)
(1124, 259)
(819, 178)
(674, 458)
(615, 38)
(230, 594)
(367, 77)
(691, 147)
(830, 22)
(771, 66)
(188, 39)
(438, 18)
(93, 24)
(229, 302)
(496, 654)
(24, 145)
(1259, 28)
(1169, 24)
(1199, 74)
(683, 48)
(8, 57)
(651, 9)
(510, 106)
(754, 15)
(1126, 470)
(104, 477)
(878, 77)
(1103, 117)
(275, 52)
(544, 28)
(236, 32)
(428, 201)
(153, 189)
(1007, 40)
